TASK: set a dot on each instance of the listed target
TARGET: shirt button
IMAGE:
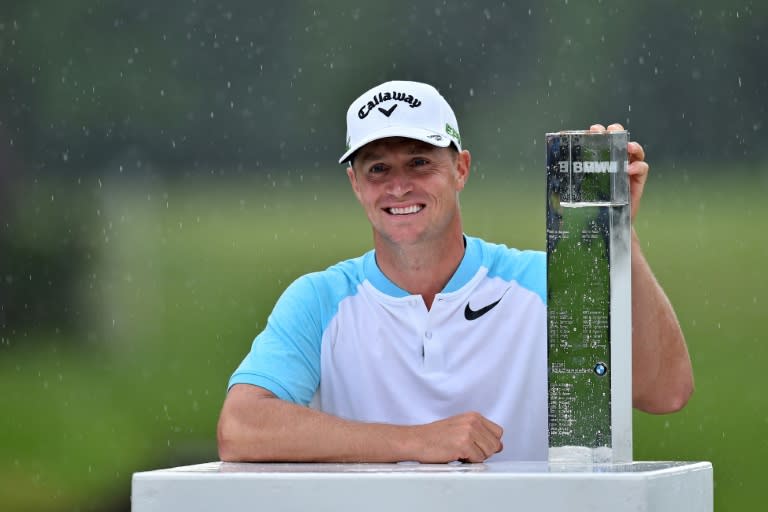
(428, 335)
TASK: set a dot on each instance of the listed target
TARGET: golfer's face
(409, 189)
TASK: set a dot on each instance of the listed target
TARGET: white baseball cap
(400, 109)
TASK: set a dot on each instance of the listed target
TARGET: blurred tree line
(197, 87)
(192, 83)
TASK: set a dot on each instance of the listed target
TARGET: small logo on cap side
(453, 132)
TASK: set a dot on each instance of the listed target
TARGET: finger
(636, 152)
(495, 429)
(638, 173)
(477, 453)
(597, 128)
(493, 437)
(615, 127)
(637, 169)
(484, 434)
(482, 453)
(471, 452)
(487, 442)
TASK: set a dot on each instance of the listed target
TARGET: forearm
(260, 428)
(661, 367)
(256, 426)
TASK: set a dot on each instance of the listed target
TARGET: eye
(417, 162)
(377, 169)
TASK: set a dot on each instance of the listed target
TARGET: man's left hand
(637, 170)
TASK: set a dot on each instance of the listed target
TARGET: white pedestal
(635, 486)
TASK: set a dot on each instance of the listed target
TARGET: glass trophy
(589, 326)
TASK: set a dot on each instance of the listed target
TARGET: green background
(167, 169)
(189, 274)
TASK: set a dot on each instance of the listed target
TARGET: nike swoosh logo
(388, 112)
(471, 314)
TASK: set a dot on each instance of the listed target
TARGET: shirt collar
(467, 269)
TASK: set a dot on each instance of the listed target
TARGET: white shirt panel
(389, 360)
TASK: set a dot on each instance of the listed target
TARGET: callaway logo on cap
(400, 109)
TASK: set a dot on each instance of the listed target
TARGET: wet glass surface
(587, 212)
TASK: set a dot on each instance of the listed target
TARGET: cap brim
(436, 139)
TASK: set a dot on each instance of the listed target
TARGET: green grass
(186, 273)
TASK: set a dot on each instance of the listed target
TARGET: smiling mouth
(405, 210)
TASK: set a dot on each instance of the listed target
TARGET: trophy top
(585, 132)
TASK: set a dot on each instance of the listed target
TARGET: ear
(353, 181)
(463, 164)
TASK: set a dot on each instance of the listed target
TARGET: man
(431, 347)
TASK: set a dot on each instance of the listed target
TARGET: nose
(399, 183)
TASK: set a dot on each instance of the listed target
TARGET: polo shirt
(353, 344)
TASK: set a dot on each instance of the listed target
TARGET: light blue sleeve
(528, 268)
(532, 272)
(285, 357)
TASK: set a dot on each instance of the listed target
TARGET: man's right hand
(468, 437)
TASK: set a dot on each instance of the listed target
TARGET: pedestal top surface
(494, 486)
(491, 468)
